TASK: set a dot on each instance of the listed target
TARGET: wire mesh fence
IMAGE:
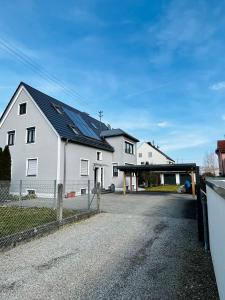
(32, 207)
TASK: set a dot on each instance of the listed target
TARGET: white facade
(151, 155)
(51, 158)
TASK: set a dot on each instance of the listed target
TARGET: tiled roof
(61, 121)
(157, 149)
(117, 132)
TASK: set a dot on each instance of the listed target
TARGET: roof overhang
(159, 168)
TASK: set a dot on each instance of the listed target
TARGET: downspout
(64, 170)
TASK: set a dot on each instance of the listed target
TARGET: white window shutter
(84, 167)
(32, 167)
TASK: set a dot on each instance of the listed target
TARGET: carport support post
(124, 183)
(60, 202)
(193, 183)
(137, 182)
(131, 182)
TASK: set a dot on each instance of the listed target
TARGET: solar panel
(81, 124)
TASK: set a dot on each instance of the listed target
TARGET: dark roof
(61, 122)
(159, 168)
(117, 132)
(157, 149)
(220, 146)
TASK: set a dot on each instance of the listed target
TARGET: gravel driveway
(141, 247)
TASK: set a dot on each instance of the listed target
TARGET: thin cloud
(218, 86)
(163, 124)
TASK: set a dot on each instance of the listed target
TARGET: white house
(50, 140)
(147, 153)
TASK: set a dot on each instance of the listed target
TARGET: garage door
(184, 177)
(169, 179)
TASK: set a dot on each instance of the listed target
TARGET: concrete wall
(216, 216)
(44, 148)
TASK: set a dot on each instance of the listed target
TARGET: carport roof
(159, 168)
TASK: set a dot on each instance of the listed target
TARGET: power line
(38, 69)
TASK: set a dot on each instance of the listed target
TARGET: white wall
(122, 158)
(216, 216)
(157, 158)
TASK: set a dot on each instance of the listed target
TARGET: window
(11, 138)
(30, 135)
(83, 191)
(115, 170)
(32, 167)
(84, 167)
(129, 148)
(73, 129)
(22, 108)
(140, 154)
(99, 155)
(94, 125)
(149, 154)
(57, 108)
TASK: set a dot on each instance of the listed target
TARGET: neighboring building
(50, 140)
(147, 153)
(220, 151)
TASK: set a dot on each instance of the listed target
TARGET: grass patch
(163, 188)
(17, 219)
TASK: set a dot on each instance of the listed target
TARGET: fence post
(89, 194)
(55, 199)
(60, 202)
(98, 196)
(20, 193)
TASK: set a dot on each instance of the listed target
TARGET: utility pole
(100, 114)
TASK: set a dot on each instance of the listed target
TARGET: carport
(190, 168)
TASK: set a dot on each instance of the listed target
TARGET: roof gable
(56, 113)
(162, 153)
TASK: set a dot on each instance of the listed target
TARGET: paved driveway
(141, 247)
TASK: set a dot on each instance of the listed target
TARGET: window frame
(113, 173)
(100, 156)
(14, 136)
(140, 154)
(88, 164)
(27, 135)
(19, 107)
(131, 146)
(27, 165)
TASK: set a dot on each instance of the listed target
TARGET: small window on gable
(30, 135)
(99, 155)
(73, 129)
(149, 154)
(57, 108)
(23, 108)
(140, 154)
(11, 138)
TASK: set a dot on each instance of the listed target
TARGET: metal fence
(31, 207)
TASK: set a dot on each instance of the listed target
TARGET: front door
(102, 178)
(96, 177)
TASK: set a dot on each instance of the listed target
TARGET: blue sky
(156, 68)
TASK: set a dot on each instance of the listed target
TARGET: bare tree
(210, 164)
